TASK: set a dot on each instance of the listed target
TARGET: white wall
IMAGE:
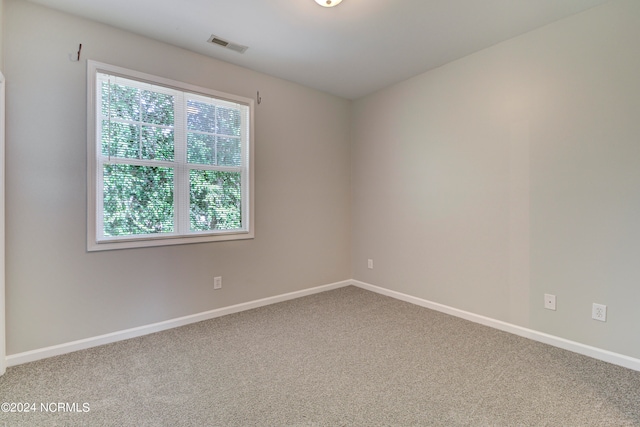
(512, 173)
(56, 291)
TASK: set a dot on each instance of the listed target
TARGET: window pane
(125, 102)
(157, 143)
(157, 108)
(158, 138)
(200, 149)
(122, 141)
(201, 116)
(215, 200)
(228, 152)
(137, 200)
(228, 121)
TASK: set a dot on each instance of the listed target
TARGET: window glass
(167, 163)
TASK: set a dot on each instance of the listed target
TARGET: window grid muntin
(181, 167)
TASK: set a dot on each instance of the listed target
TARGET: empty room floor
(347, 357)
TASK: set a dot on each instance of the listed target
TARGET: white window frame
(96, 160)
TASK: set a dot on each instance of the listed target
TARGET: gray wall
(56, 291)
(482, 185)
(512, 173)
(1, 34)
(2, 249)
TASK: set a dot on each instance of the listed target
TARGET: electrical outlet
(549, 302)
(599, 312)
(217, 282)
(370, 264)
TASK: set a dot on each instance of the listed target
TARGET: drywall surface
(56, 291)
(1, 34)
(512, 173)
(2, 201)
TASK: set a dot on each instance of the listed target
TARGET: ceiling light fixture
(328, 3)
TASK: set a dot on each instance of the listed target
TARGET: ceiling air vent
(227, 44)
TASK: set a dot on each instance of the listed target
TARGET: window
(169, 163)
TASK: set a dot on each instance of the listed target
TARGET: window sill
(107, 245)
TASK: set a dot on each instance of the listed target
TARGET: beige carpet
(347, 357)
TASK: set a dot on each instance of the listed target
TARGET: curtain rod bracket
(73, 57)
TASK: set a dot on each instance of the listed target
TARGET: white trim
(56, 350)
(95, 161)
(576, 347)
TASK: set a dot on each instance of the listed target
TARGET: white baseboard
(56, 350)
(576, 347)
(594, 352)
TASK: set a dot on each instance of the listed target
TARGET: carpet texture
(346, 357)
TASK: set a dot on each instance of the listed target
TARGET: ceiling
(351, 50)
